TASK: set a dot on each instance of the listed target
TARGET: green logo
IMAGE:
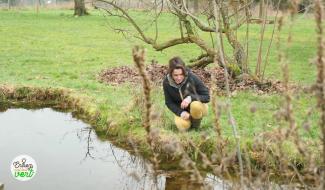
(23, 168)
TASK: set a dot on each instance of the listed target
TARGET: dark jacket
(191, 86)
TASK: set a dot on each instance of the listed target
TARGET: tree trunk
(261, 11)
(37, 6)
(79, 8)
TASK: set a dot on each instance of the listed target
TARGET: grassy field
(55, 49)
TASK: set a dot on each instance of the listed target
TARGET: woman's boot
(195, 123)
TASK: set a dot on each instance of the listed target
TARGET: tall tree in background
(80, 8)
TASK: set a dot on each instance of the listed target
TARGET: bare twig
(270, 44)
(320, 82)
(230, 116)
(259, 55)
(139, 60)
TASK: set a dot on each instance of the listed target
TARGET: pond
(69, 155)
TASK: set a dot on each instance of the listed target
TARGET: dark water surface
(69, 156)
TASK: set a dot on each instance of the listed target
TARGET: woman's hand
(186, 102)
(185, 115)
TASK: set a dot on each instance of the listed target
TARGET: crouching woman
(185, 95)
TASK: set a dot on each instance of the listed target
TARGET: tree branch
(170, 43)
(202, 62)
(128, 18)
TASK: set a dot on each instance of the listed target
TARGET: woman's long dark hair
(176, 63)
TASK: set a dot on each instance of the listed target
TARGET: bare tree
(192, 26)
(80, 8)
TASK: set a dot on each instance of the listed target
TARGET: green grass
(55, 49)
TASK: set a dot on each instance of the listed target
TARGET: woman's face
(178, 76)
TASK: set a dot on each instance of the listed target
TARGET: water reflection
(69, 155)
